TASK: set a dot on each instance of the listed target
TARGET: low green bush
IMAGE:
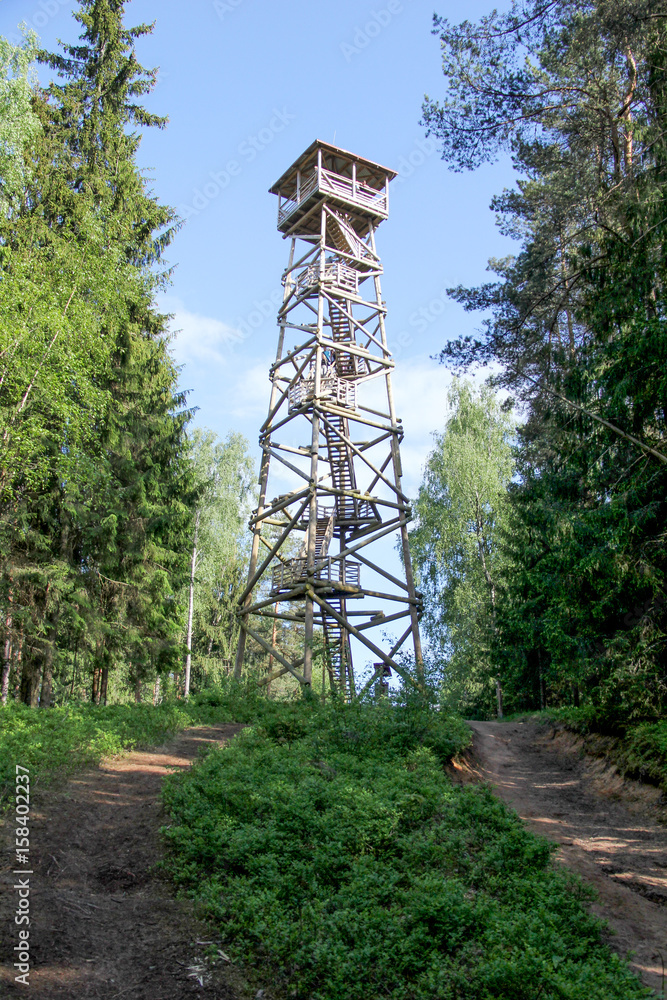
(335, 856)
(643, 752)
(60, 740)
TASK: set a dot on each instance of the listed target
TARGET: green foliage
(96, 489)
(18, 122)
(334, 855)
(461, 511)
(575, 327)
(56, 743)
(224, 474)
(645, 752)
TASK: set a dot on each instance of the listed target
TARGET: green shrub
(332, 851)
(60, 740)
(644, 752)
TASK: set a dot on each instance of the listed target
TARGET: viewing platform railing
(354, 192)
(336, 389)
(336, 274)
(285, 576)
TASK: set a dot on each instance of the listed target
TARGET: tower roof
(336, 159)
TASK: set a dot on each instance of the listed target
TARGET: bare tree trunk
(137, 692)
(47, 677)
(76, 654)
(97, 670)
(191, 604)
(7, 660)
(273, 643)
(30, 678)
(492, 590)
(104, 683)
(540, 679)
(18, 671)
(156, 690)
(499, 698)
(95, 693)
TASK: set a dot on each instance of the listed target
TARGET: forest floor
(104, 925)
(608, 828)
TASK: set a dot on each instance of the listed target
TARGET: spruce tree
(95, 478)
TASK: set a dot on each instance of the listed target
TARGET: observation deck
(340, 576)
(358, 186)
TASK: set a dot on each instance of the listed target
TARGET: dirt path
(607, 829)
(103, 924)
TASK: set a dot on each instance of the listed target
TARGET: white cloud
(420, 399)
(249, 392)
(200, 338)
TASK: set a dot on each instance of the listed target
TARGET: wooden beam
(268, 648)
(258, 572)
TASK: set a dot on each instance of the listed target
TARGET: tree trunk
(47, 677)
(191, 604)
(94, 694)
(76, 654)
(156, 691)
(492, 588)
(274, 633)
(7, 659)
(137, 692)
(30, 678)
(97, 671)
(540, 679)
(499, 698)
(104, 683)
(18, 671)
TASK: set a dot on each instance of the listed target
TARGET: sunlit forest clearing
(334, 832)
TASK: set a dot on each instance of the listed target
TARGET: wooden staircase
(337, 647)
(341, 463)
(347, 365)
(342, 237)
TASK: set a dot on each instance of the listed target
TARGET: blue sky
(251, 83)
(247, 86)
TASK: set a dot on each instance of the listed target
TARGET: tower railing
(336, 274)
(286, 575)
(347, 189)
(337, 390)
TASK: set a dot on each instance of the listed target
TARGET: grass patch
(62, 740)
(335, 856)
(59, 741)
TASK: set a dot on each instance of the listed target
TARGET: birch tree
(456, 544)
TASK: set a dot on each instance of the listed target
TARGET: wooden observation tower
(332, 438)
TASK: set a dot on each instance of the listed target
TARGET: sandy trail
(104, 926)
(607, 830)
